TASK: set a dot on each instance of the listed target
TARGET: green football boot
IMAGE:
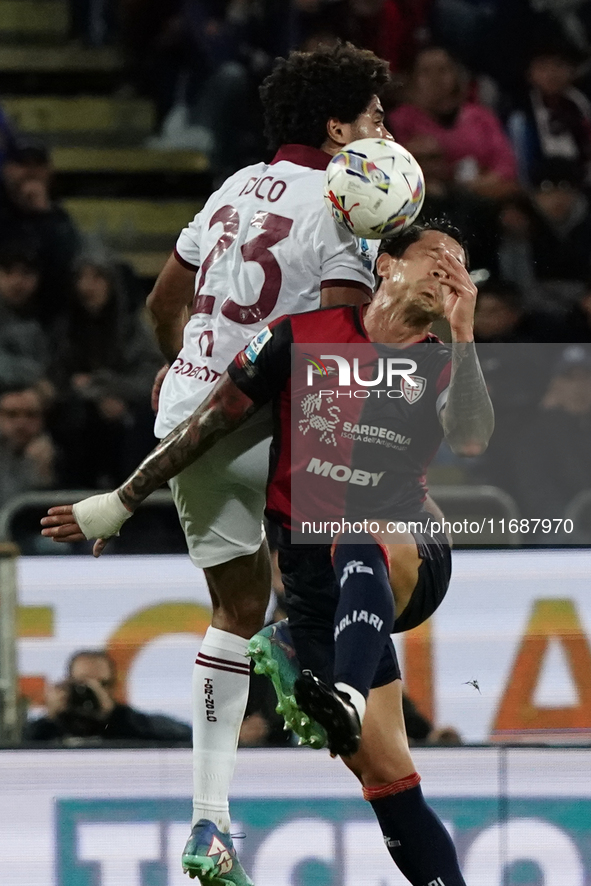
(274, 656)
(210, 857)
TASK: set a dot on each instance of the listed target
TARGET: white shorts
(220, 498)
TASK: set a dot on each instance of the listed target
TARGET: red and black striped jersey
(359, 449)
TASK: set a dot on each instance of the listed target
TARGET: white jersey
(264, 245)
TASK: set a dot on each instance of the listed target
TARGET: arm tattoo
(223, 410)
(468, 418)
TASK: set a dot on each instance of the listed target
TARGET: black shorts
(312, 594)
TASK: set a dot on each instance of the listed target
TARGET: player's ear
(338, 132)
(383, 264)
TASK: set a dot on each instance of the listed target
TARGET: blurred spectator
(577, 323)
(516, 368)
(93, 22)
(545, 236)
(569, 18)
(555, 117)
(474, 215)
(501, 317)
(553, 454)
(495, 37)
(515, 255)
(418, 728)
(445, 737)
(471, 136)
(154, 48)
(561, 230)
(194, 59)
(104, 363)
(317, 23)
(393, 29)
(24, 346)
(7, 136)
(84, 706)
(463, 27)
(29, 458)
(28, 212)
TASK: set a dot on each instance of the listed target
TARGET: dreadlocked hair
(306, 89)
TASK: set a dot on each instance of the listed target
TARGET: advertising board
(519, 817)
(506, 657)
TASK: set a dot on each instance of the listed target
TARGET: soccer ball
(374, 187)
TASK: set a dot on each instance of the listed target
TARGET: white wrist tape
(101, 516)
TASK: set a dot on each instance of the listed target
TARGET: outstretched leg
(414, 835)
(220, 500)
(374, 585)
(240, 592)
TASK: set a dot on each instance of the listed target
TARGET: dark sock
(414, 835)
(365, 612)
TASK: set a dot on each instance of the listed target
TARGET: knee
(380, 770)
(240, 591)
(244, 616)
(386, 773)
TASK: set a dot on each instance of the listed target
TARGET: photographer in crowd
(83, 706)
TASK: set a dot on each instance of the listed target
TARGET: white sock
(220, 692)
(357, 699)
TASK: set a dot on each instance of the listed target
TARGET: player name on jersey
(263, 246)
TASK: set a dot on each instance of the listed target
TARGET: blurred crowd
(493, 99)
(77, 358)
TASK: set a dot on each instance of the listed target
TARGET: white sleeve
(187, 247)
(343, 256)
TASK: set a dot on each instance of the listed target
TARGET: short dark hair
(558, 171)
(306, 89)
(396, 246)
(18, 253)
(556, 46)
(28, 151)
(20, 387)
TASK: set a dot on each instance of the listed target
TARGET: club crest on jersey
(320, 417)
(258, 343)
(412, 394)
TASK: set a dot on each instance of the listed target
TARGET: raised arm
(101, 516)
(468, 418)
(223, 410)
